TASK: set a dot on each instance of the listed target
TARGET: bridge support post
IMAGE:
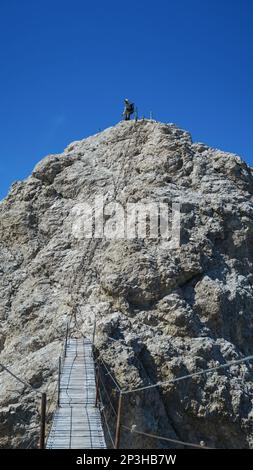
(66, 340)
(97, 387)
(43, 420)
(118, 424)
(59, 382)
(94, 333)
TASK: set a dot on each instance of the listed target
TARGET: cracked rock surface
(161, 312)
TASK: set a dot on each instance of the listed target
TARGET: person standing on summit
(129, 109)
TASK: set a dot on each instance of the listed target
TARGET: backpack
(130, 108)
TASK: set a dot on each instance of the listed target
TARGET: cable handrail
(108, 396)
(107, 425)
(110, 375)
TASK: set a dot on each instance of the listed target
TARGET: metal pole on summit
(136, 114)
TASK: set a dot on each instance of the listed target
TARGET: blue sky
(66, 66)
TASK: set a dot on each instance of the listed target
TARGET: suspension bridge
(77, 421)
(89, 405)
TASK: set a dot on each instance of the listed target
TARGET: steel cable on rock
(130, 163)
(184, 377)
(88, 261)
(84, 261)
(188, 376)
(26, 384)
(37, 393)
(163, 438)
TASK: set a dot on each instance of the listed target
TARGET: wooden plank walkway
(77, 422)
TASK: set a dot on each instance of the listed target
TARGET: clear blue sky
(66, 66)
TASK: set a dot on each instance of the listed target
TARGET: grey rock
(171, 312)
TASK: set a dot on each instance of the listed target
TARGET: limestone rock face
(161, 311)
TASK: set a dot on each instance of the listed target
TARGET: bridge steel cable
(107, 425)
(163, 438)
(125, 392)
(188, 376)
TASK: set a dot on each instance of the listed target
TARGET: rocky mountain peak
(172, 309)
